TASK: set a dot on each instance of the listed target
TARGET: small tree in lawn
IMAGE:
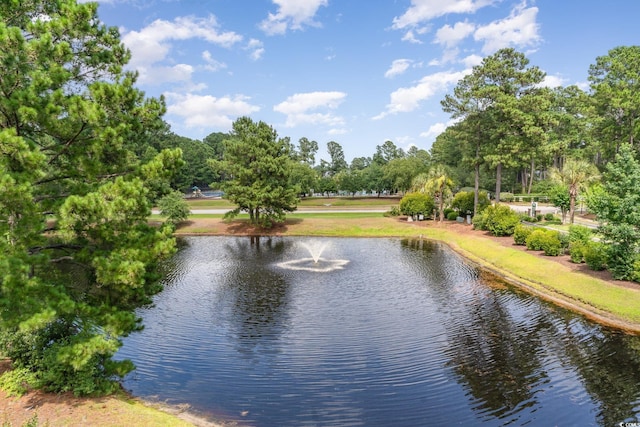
(259, 165)
(174, 208)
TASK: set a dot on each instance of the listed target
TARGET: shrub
(394, 211)
(576, 252)
(595, 255)
(620, 260)
(452, 216)
(544, 240)
(500, 220)
(579, 233)
(549, 217)
(520, 234)
(636, 270)
(463, 201)
(539, 217)
(564, 240)
(528, 218)
(417, 203)
(40, 361)
(506, 197)
(447, 211)
(480, 220)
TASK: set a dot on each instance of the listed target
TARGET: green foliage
(463, 201)
(544, 240)
(507, 197)
(636, 270)
(413, 204)
(580, 233)
(394, 211)
(615, 204)
(520, 234)
(259, 166)
(595, 255)
(78, 256)
(18, 381)
(559, 196)
(576, 251)
(452, 216)
(498, 219)
(174, 208)
(549, 217)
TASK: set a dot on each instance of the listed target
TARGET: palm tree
(576, 174)
(436, 182)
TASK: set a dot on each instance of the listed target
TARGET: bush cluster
(499, 220)
(463, 201)
(413, 204)
(548, 241)
(520, 234)
(595, 255)
(579, 238)
(41, 360)
(452, 216)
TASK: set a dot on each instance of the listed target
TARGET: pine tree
(76, 254)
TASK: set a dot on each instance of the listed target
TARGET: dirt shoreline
(67, 410)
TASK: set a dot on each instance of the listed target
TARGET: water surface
(405, 333)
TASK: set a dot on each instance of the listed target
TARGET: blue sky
(358, 72)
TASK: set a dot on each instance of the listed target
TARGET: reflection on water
(405, 334)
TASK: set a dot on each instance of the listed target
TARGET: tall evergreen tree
(77, 255)
(615, 81)
(258, 165)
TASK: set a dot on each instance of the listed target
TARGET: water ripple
(405, 334)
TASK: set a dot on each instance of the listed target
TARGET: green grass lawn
(309, 202)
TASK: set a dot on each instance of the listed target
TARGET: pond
(378, 332)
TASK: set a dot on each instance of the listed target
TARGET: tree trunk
(573, 193)
(476, 188)
(498, 181)
(531, 178)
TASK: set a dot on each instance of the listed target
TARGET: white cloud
(256, 48)
(519, 29)
(553, 81)
(434, 130)
(410, 37)
(408, 99)
(472, 60)
(449, 36)
(424, 10)
(206, 111)
(301, 108)
(398, 67)
(292, 14)
(152, 44)
(163, 74)
(449, 55)
(212, 64)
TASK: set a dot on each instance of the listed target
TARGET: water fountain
(314, 262)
